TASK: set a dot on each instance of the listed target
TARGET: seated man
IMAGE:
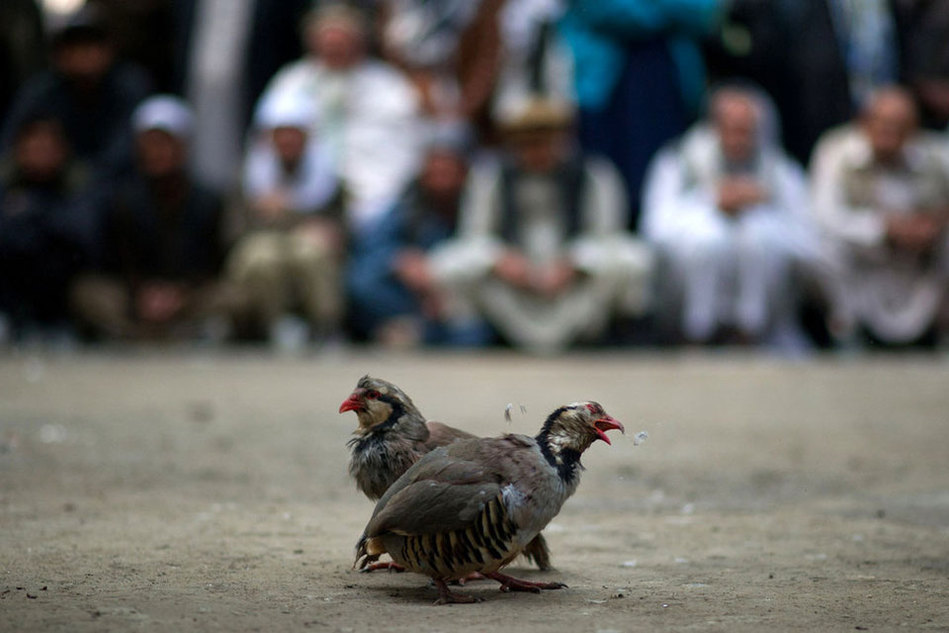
(365, 111)
(88, 90)
(393, 286)
(881, 193)
(162, 242)
(541, 251)
(44, 227)
(291, 257)
(727, 210)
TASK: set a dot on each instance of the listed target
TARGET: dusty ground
(183, 492)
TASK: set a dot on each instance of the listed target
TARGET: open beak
(605, 424)
(352, 403)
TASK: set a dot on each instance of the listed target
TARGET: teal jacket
(597, 32)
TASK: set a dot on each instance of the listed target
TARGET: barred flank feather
(446, 552)
(488, 542)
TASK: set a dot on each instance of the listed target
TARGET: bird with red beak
(474, 505)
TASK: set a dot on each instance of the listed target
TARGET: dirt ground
(179, 491)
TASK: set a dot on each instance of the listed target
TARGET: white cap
(285, 111)
(164, 112)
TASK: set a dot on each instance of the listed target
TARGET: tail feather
(538, 553)
(362, 556)
(368, 550)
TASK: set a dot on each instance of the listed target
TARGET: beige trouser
(282, 270)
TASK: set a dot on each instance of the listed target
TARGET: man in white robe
(366, 111)
(881, 194)
(728, 212)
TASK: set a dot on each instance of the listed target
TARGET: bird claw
(446, 596)
(509, 583)
(390, 567)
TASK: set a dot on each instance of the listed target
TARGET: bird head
(378, 403)
(574, 427)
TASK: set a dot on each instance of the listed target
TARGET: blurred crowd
(540, 174)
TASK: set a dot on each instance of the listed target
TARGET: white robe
(723, 270)
(368, 117)
(896, 295)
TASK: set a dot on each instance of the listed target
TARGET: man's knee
(255, 255)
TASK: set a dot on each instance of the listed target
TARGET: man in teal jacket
(640, 77)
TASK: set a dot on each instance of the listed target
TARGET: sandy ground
(176, 492)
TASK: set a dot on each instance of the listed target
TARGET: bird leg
(510, 583)
(446, 596)
(389, 566)
(472, 576)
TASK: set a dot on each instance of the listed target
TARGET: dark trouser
(104, 306)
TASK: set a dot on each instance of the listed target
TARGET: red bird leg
(447, 596)
(472, 576)
(510, 583)
(389, 566)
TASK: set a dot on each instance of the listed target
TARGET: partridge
(472, 506)
(391, 436)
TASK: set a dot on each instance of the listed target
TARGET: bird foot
(390, 567)
(509, 583)
(446, 596)
(472, 576)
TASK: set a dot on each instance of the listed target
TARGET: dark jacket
(376, 294)
(274, 41)
(45, 239)
(99, 131)
(796, 55)
(145, 240)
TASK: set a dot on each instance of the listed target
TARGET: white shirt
(368, 115)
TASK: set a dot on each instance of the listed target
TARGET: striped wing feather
(427, 507)
(445, 516)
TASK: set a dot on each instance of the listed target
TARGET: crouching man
(542, 252)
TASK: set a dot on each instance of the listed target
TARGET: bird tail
(368, 550)
(361, 554)
(538, 553)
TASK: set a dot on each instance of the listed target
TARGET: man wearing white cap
(162, 241)
(291, 258)
(366, 111)
(541, 251)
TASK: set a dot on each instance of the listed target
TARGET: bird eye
(373, 394)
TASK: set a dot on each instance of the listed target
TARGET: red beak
(607, 423)
(352, 403)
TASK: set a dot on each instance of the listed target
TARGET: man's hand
(547, 281)
(737, 193)
(411, 268)
(552, 280)
(271, 208)
(159, 302)
(917, 232)
(515, 269)
(323, 232)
